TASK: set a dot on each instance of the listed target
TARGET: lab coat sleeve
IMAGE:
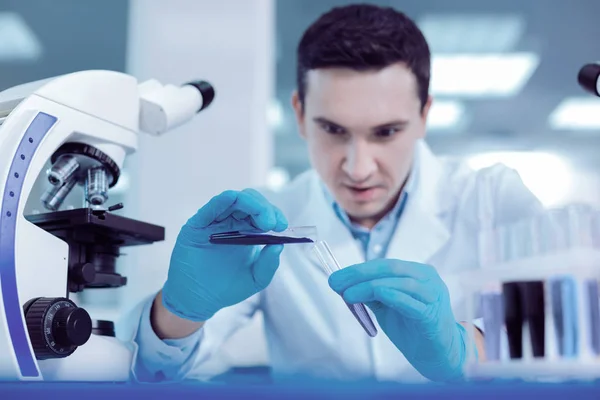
(160, 360)
(514, 200)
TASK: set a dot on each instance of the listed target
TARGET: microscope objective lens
(62, 170)
(97, 186)
(54, 197)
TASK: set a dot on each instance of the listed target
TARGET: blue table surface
(250, 383)
(92, 391)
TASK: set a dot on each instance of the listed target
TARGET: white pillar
(229, 43)
(228, 146)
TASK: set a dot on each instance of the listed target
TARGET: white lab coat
(309, 329)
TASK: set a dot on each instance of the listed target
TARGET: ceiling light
(445, 114)
(576, 114)
(17, 40)
(460, 33)
(472, 75)
(275, 114)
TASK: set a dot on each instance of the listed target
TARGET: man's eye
(387, 132)
(334, 130)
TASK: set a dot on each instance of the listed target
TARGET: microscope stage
(85, 225)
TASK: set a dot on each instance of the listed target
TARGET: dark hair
(364, 37)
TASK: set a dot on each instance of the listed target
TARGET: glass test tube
(330, 265)
(492, 306)
(564, 305)
(594, 311)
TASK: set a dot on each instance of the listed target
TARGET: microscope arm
(12, 97)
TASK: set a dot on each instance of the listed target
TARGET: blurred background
(504, 80)
(504, 77)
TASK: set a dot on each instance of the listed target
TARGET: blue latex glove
(204, 278)
(412, 305)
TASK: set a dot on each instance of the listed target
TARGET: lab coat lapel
(421, 232)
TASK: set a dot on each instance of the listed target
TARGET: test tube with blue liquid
(594, 314)
(330, 265)
(564, 308)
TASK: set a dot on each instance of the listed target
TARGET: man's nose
(359, 164)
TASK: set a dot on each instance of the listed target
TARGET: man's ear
(425, 114)
(299, 112)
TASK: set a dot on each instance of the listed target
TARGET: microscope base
(101, 359)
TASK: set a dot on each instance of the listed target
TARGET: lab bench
(254, 384)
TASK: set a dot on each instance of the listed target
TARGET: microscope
(74, 130)
(589, 78)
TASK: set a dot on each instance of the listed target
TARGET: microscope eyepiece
(206, 91)
(589, 78)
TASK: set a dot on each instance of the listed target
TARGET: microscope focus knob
(56, 326)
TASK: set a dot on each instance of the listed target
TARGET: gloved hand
(412, 305)
(204, 278)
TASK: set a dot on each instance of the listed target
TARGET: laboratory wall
(504, 82)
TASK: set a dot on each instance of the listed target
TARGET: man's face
(361, 129)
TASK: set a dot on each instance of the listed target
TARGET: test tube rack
(580, 264)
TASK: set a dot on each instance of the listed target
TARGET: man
(397, 218)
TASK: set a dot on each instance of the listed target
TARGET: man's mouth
(363, 193)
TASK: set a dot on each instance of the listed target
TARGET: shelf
(581, 262)
(537, 370)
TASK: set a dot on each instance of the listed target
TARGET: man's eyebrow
(391, 124)
(323, 120)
